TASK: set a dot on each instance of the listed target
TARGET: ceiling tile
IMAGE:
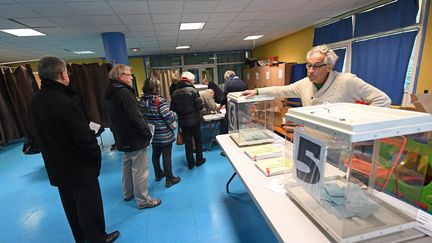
(231, 6)
(130, 7)
(84, 21)
(166, 18)
(36, 22)
(199, 6)
(197, 17)
(260, 6)
(15, 11)
(136, 19)
(249, 16)
(215, 17)
(141, 28)
(159, 7)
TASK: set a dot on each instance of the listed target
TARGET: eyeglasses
(315, 66)
(127, 74)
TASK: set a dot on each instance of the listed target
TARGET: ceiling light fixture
(23, 32)
(253, 37)
(182, 47)
(83, 52)
(191, 26)
(135, 49)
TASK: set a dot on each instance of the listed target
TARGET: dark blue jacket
(233, 84)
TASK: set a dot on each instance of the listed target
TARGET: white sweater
(339, 87)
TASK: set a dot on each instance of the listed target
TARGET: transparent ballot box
(347, 155)
(250, 120)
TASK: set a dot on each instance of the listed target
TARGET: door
(203, 72)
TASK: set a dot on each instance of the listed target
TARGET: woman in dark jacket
(188, 104)
(156, 111)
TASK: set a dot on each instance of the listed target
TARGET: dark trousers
(223, 128)
(165, 151)
(84, 211)
(189, 133)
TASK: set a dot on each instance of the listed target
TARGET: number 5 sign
(309, 159)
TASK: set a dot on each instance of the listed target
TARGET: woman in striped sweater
(156, 112)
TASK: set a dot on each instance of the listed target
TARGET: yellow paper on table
(263, 151)
(274, 166)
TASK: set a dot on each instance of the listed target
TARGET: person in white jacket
(322, 84)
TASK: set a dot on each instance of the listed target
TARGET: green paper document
(274, 166)
(263, 152)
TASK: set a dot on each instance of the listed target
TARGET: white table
(288, 222)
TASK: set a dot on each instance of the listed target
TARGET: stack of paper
(263, 152)
(274, 166)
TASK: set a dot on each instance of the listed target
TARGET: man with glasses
(322, 84)
(70, 152)
(132, 136)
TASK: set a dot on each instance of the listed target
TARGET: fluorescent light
(83, 52)
(253, 37)
(182, 47)
(191, 26)
(23, 32)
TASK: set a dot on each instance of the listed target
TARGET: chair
(363, 167)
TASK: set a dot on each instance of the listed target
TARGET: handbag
(179, 139)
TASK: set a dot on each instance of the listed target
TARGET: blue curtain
(392, 16)
(339, 63)
(338, 31)
(383, 62)
(298, 72)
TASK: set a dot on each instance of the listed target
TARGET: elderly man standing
(322, 84)
(232, 84)
(70, 152)
(132, 136)
(187, 103)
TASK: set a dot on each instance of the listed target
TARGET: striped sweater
(161, 117)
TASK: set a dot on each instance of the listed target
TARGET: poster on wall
(309, 158)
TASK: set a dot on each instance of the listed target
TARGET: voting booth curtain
(18, 86)
(16, 90)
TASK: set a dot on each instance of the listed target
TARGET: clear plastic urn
(250, 120)
(348, 158)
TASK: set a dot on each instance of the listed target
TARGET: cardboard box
(422, 102)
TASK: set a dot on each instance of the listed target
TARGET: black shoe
(127, 199)
(172, 181)
(190, 166)
(223, 154)
(112, 236)
(158, 178)
(202, 162)
(113, 147)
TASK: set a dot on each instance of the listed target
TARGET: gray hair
(151, 86)
(229, 74)
(330, 55)
(50, 67)
(118, 70)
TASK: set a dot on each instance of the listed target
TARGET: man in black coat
(132, 136)
(70, 151)
(187, 103)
